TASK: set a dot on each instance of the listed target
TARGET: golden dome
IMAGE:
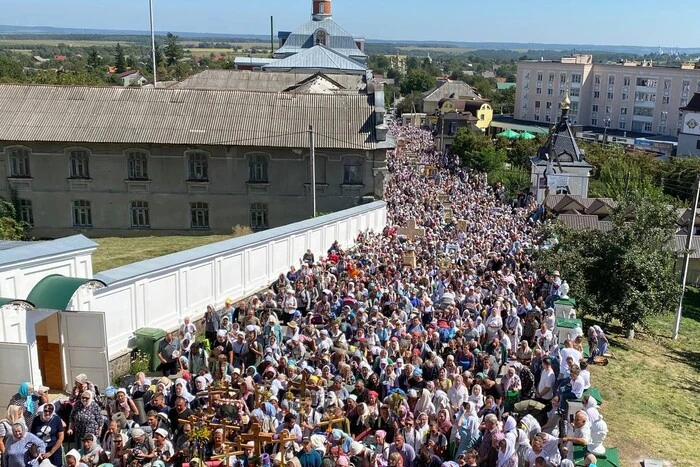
(566, 103)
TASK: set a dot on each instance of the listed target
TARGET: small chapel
(319, 45)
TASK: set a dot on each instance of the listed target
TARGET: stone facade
(278, 194)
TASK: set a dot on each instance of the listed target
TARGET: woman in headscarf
(477, 397)
(90, 452)
(599, 428)
(122, 400)
(507, 455)
(86, 417)
(468, 428)
(247, 392)
(198, 358)
(49, 428)
(494, 323)
(441, 402)
(28, 401)
(182, 391)
(73, 459)
(14, 414)
(22, 449)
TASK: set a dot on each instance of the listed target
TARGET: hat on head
(237, 371)
(137, 433)
(481, 375)
(74, 454)
(417, 372)
(353, 397)
(81, 378)
(163, 432)
(555, 273)
(221, 333)
(250, 444)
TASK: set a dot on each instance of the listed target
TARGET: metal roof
(7, 244)
(245, 80)
(54, 292)
(694, 246)
(445, 89)
(318, 57)
(338, 39)
(79, 114)
(173, 260)
(36, 250)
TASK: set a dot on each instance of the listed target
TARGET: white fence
(160, 292)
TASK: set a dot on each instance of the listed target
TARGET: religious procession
(432, 343)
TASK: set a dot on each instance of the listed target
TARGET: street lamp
(606, 120)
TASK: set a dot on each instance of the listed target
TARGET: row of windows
(197, 161)
(140, 215)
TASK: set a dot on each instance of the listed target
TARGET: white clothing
(547, 380)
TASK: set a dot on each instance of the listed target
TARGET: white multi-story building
(628, 96)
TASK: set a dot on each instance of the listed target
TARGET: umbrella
(527, 135)
(510, 134)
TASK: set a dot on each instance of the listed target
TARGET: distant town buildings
(630, 96)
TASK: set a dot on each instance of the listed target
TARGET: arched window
(321, 37)
(80, 163)
(19, 161)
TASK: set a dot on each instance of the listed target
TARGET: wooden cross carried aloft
(284, 437)
(228, 451)
(256, 436)
(411, 231)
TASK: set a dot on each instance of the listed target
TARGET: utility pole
(272, 36)
(312, 152)
(686, 258)
(153, 46)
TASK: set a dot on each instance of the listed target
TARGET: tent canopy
(54, 292)
(509, 134)
(527, 135)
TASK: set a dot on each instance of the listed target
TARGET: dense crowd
(421, 347)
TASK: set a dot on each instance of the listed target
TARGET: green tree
(11, 227)
(521, 151)
(626, 274)
(93, 59)
(477, 151)
(504, 100)
(410, 104)
(173, 50)
(10, 69)
(119, 59)
(417, 80)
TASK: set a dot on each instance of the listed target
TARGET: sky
(602, 22)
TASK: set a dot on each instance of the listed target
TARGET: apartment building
(630, 96)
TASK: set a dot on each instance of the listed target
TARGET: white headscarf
(591, 408)
(185, 392)
(505, 456)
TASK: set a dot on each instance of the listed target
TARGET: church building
(320, 44)
(560, 168)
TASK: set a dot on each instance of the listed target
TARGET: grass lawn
(113, 252)
(651, 390)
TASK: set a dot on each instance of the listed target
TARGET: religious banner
(542, 182)
(462, 225)
(409, 258)
(447, 214)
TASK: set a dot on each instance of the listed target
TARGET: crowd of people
(422, 349)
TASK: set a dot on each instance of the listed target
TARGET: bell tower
(321, 10)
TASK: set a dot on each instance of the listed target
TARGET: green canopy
(527, 135)
(510, 134)
(54, 292)
(14, 301)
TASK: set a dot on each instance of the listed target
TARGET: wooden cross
(229, 452)
(300, 386)
(285, 437)
(256, 436)
(411, 231)
(330, 423)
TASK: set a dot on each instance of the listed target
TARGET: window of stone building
(138, 165)
(259, 216)
(198, 166)
(79, 163)
(257, 168)
(82, 213)
(19, 162)
(199, 215)
(352, 172)
(140, 215)
(26, 211)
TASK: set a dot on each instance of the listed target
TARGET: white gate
(15, 368)
(84, 346)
